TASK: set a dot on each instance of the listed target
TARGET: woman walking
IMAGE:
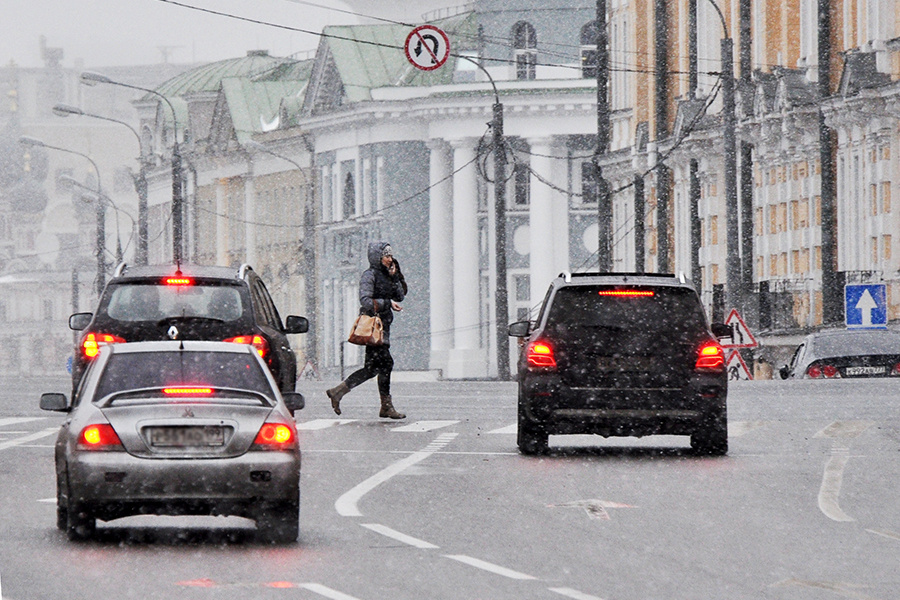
(381, 288)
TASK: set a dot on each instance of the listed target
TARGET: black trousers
(380, 363)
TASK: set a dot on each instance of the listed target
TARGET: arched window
(349, 196)
(525, 44)
(589, 35)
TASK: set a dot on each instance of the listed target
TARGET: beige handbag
(367, 331)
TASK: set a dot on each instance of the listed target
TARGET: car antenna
(178, 267)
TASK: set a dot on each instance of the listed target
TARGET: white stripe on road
(317, 424)
(16, 420)
(570, 593)
(400, 537)
(28, 438)
(346, 504)
(887, 534)
(739, 428)
(318, 588)
(422, 426)
(831, 485)
(509, 429)
(490, 567)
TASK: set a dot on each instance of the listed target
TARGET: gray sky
(129, 32)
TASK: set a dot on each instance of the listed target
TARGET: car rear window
(151, 302)
(668, 311)
(162, 369)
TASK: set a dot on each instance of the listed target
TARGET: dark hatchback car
(621, 355)
(164, 302)
(842, 354)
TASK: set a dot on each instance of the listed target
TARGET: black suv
(166, 302)
(621, 354)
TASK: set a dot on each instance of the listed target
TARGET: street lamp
(101, 211)
(733, 286)
(140, 182)
(308, 253)
(91, 78)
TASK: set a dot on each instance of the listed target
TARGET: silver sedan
(178, 428)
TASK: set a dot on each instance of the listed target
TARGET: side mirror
(295, 324)
(721, 330)
(79, 321)
(520, 329)
(784, 371)
(293, 400)
(54, 401)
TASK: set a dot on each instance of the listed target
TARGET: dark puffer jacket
(377, 286)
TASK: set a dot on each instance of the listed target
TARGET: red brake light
(711, 357)
(257, 341)
(540, 354)
(627, 293)
(100, 436)
(814, 372)
(92, 342)
(274, 434)
(896, 370)
(187, 391)
(178, 281)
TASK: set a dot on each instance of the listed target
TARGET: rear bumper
(561, 409)
(116, 484)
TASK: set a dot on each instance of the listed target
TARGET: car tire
(80, 522)
(711, 437)
(279, 523)
(530, 437)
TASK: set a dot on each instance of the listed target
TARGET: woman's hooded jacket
(377, 286)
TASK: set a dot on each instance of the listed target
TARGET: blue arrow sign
(865, 306)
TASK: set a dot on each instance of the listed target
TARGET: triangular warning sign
(740, 333)
(736, 367)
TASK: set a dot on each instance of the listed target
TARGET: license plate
(187, 436)
(854, 371)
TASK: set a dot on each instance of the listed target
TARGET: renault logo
(172, 333)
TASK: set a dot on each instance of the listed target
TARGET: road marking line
(423, 426)
(887, 534)
(317, 424)
(844, 589)
(570, 593)
(739, 428)
(490, 567)
(508, 430)
(400, 537)
(831, 485)
(346, 504)
(16, 420)
(28, 438)
(844, 429)
(318, 588)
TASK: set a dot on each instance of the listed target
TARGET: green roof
(372, 56)
(255, 105)
(207, 78)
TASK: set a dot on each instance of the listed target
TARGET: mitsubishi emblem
(188, 413)
(172, 333)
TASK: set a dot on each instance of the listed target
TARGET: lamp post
(733, 287)
(101, 211)
(308, 253)
(91, 78)
(140, 182)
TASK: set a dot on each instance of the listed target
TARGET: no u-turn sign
(427, 47)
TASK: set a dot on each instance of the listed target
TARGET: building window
(525, 44)
(349, 196)
(589, 34)
(522, 186)
(590, 188)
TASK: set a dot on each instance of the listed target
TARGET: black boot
(387, 409)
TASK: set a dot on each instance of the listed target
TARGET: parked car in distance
(180, 427)
(845, 353)
(621, 354)
(160, 302)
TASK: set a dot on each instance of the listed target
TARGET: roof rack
(568, 276)
(120, 269)
(243, 270)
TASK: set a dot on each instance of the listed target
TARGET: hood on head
(374, 253)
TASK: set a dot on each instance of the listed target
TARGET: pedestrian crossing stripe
(422, 426)
(317, 424)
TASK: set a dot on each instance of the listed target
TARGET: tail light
(540, 355)
(99, 436)
(896, 370)
(823, 372)
(711, 357)
(275, 436)
(92, 342)
(257, 341)
(178, 280)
